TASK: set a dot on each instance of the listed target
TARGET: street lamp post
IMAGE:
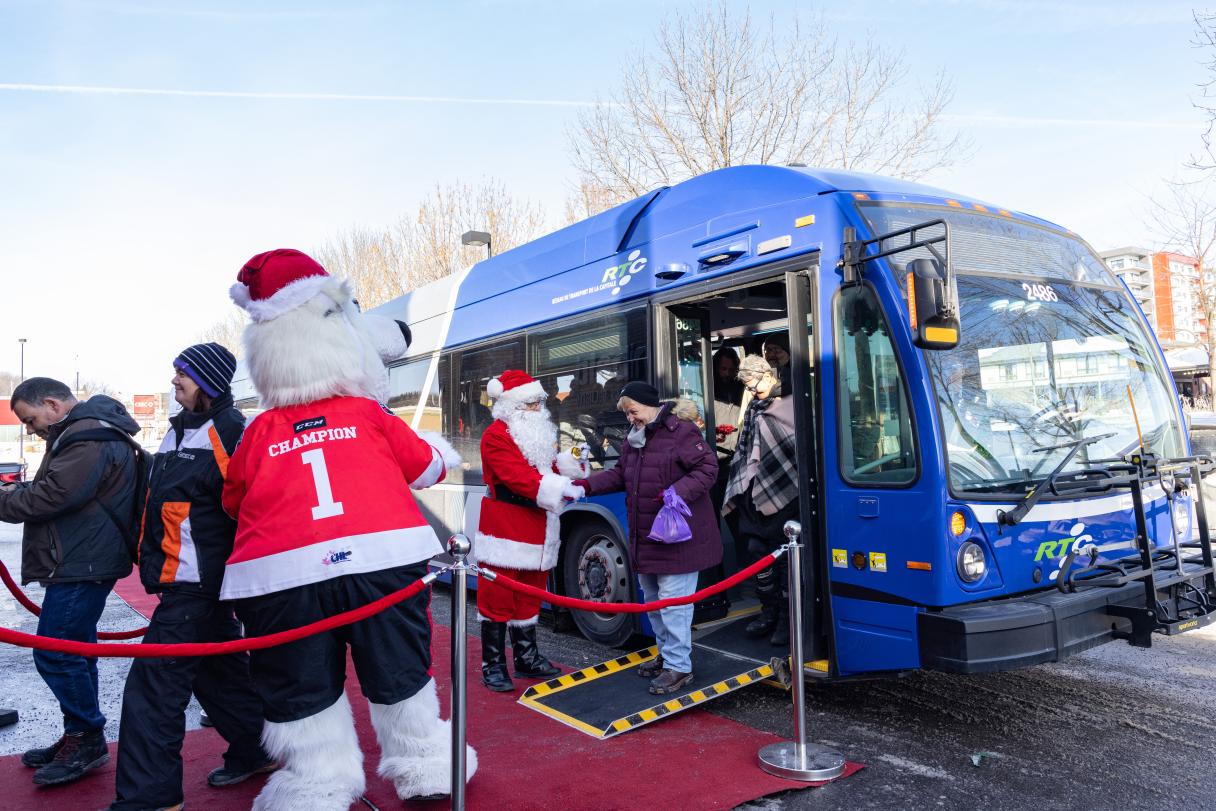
(478, 238)
(21, 430)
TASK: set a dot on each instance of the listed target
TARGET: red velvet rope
(635, 608)
(36, 610)
(151, 650)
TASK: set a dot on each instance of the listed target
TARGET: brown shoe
(669, 681)
(652, 668)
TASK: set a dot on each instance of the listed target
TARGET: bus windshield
(1049, 355)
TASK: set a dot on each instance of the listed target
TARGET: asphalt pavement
(1113, 728)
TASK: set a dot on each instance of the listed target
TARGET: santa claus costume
(320, 488)
(518, 530)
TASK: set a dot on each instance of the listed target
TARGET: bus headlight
(971, 562)
(1182, 516)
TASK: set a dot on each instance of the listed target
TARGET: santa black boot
(494, 657)
(529, 664)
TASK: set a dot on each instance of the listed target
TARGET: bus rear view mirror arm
(933, 312)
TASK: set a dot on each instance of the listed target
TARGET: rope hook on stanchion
(799, 760)
(459, 548)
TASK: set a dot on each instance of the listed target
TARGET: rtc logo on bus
(615, 277)
(622, 273)
(1059, 548)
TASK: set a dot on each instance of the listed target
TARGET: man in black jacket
(78, 513)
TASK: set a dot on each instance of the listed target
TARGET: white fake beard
(536, 437)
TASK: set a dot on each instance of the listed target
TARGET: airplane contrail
(243, 94)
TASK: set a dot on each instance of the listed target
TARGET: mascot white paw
(416, 746)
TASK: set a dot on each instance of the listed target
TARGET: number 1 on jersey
(326, 506)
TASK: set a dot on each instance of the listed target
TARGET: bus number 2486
(1040, 292)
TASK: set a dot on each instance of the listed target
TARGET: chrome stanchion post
(799, 759)
(459, 547)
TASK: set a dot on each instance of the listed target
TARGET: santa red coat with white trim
(513, 534)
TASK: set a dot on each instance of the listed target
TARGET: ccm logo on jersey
(311, 438)
(336, 557)
(304, 425)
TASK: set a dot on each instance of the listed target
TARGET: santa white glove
(573, 492)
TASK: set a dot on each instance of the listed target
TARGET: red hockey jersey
(322, 490)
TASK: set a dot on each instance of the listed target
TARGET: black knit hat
(641, 392)
(211, 366)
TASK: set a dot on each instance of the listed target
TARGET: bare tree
(1185, 218)
(1205, 39)
(383, 263)
(226, 332)
(90, 387)
(374, 261)
(715, 89)
(586, 200)
(9, 381)
(424, 247)
(433, 238)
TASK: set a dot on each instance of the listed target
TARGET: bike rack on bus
(1157, 567)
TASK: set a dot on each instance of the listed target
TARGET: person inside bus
(663, 450)
(728, 414)
(777, 353)
(762, 488)
(777, 350)
(187, 538)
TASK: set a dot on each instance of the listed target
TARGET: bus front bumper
(1045, 626)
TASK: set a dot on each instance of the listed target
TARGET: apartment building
(1167, 285)
(1135, 267)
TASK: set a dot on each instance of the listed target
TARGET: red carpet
(694, 760)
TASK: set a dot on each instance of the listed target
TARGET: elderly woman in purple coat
(665, 449)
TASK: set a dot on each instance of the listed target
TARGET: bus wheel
(596, 567)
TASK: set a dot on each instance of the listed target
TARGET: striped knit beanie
(211, 366)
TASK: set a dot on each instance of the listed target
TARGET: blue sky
(124, 217)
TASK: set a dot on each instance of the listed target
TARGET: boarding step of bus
(609, 698)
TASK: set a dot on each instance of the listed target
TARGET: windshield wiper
(1012, 517)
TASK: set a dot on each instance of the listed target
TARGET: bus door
(800, 287)
(874, 490)
(683, 370)
(740, 317)
(687, 372)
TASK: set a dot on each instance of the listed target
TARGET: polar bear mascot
(320, 488)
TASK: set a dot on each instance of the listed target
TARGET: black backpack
(131, 526)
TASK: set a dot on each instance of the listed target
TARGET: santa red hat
(514, 387)
(276, 282)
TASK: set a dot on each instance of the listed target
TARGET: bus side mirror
(932, 305)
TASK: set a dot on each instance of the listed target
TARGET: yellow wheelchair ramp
(610, 698)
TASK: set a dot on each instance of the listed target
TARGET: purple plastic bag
(670, 525)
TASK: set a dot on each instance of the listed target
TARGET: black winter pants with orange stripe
(149, 770)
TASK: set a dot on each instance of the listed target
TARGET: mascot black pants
(149, 770)
(391, 651)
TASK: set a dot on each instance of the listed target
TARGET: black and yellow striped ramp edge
(610, 698)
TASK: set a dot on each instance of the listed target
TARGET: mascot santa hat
(320, 488)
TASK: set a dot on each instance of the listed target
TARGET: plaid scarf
(765, 459)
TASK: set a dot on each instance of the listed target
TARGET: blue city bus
(995, 469)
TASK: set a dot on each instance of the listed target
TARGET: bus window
(472, 415)
(876, 445)
(405, 384)
(583, 367)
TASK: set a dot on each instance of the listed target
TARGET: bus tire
(595, 566)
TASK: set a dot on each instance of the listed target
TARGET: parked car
(11, 472)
